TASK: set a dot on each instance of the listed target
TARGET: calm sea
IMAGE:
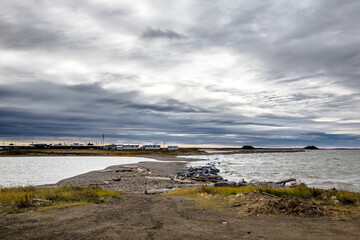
(319, 168)
(21, 171)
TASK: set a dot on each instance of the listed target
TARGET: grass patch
(20, 199)
(324, 196)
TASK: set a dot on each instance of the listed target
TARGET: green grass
(20, 199)
(325, 196)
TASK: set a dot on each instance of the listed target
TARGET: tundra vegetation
(332, 202)
(21, 199)
(303, 192)
(94, 152)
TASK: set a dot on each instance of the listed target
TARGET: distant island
(247, 147)
(311, 147)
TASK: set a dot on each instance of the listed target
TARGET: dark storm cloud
(47, 109)
(158, 33)
(82, 95)
(53, 110)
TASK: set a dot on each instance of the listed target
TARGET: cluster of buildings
(138, 147)
(89, 146)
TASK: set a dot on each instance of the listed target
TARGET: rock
(207, 178)
(220, 184)
(41, 200)
(207, 173)
(125, 170)
(116, 179)
(140, 170)
(225, 184)
(239, 195)
(242, 183)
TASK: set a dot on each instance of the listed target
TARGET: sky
(205, 73)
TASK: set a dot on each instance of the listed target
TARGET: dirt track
(164, 217)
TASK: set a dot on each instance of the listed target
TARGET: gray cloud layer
(189, 72)
(158, 33)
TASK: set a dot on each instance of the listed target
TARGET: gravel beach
(132, 178)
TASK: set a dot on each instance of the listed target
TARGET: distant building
(128, 147)
(151, 147)
(173, 147)
(110, 147)
(40, 145)
(76, 144)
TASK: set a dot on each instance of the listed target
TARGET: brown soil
(258, 204)
(141, 216)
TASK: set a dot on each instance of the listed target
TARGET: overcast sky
(264, 73)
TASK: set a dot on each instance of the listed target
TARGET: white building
(151, 147)
(128, 147)
(173, 147)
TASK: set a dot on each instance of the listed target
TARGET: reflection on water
(320, 168)
(16, 171)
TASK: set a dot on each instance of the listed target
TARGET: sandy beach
(140, 216)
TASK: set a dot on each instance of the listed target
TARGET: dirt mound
(258, 204)
(289, 206)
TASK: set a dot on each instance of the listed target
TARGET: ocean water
(23, 171)
(319, 168)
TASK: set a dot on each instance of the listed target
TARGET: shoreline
(135, 153)
(167, 166)
(132, 178)
(159, 164)
(135, 178)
